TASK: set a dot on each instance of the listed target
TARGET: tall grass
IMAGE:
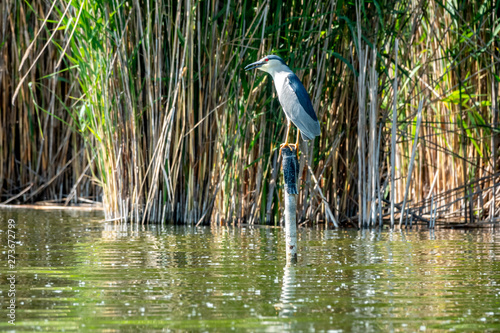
(145, 106)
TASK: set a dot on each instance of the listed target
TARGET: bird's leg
(297, 143)
(283, 145)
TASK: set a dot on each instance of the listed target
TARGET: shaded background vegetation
(144, 105)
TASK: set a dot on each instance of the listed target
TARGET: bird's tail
(305, 137)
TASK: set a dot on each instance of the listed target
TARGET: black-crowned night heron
(293, 98)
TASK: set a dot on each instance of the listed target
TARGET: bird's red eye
(267, 59)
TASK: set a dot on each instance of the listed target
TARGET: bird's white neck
(279, 74)
(278, 69)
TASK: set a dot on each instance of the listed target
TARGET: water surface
(74, 273)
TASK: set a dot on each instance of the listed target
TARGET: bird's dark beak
(254, 65)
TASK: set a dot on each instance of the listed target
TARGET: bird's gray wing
(302, 95)
(298, 107)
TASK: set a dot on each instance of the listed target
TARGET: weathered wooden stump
(290, 174)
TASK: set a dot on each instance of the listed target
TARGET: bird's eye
(266, 59)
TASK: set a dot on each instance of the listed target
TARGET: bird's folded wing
(298, 107)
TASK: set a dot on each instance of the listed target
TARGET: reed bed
(145, 107)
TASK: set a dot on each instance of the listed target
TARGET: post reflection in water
(288, 296)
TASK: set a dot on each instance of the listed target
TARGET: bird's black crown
(275, 57)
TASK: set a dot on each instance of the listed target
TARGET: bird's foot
(290, 146)
(284, 144)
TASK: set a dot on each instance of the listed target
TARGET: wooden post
(290, 174)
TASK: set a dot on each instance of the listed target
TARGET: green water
(74, 273)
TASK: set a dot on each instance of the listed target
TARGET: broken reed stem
(412, 160)
(329, 213)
